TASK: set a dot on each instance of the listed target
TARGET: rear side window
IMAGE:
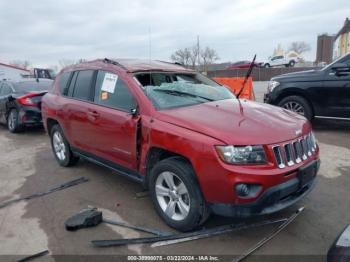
(63, 82)
(113, 92)
(82, 88)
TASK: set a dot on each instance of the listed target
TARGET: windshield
(169, 90)
(344, 59)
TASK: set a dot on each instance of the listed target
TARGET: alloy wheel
(172, 196)
(12, 120)
(59, 146)
(294, 107)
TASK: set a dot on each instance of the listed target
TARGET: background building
(324, 51)
(11, 72)
(343, 39)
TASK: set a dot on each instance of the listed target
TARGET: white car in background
(281, 60)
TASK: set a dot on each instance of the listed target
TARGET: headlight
(242, 154)
(272, 84)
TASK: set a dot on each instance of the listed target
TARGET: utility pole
(198, 48)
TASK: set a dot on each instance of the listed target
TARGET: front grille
(294, 152)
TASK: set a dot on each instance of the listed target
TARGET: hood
(309, 75)
(245, 123)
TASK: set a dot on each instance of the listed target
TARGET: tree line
(195, 57)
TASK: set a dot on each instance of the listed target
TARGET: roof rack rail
(175, 63)
(113, 62)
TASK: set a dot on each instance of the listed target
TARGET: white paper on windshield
(109, 82)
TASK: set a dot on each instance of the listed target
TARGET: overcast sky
(44, 31)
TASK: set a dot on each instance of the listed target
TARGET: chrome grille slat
(294, 152)
(303, 149)
(297, 152)
(289, 156)
(278, 156)
(309, 146)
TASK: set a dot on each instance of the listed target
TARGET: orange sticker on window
(104, 95)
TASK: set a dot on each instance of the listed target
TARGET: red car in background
(242, 65)
(187, 139)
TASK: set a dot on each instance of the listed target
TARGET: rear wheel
(176, 195)
(267, 65)
(298, 105)
(61, 147)
(291, 63)
(13, 122)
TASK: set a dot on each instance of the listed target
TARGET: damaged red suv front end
(195, 146)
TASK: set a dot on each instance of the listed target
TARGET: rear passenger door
(114, 125)
(78, 127)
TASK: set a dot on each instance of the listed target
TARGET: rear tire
(176, 195)
(267, 65)
(61, 148)
(13, 122)
(291, 63)
(298, 105)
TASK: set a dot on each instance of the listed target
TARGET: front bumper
(272, 200)
(267, 98)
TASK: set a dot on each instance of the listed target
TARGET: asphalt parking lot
(27, 165)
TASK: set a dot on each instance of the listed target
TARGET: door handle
(93, 113)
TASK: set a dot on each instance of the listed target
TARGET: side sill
(133, 175)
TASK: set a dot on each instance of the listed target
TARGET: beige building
(343, 39)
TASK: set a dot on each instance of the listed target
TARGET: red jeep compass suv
(192, 143)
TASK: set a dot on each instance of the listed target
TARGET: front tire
(13, 122)
(298, 105)
(267, 65)
(61, 148)
(291, 63)
(176, 195)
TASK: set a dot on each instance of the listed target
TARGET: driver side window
(112, 91)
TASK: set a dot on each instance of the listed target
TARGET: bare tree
(182, 56)
(208, 56)
(190, 57)
(299, 47)
(21, 63)
(194, 56)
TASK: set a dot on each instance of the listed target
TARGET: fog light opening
(247, 190)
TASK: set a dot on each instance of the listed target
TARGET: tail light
(27, 100)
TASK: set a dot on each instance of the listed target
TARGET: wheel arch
(156, 154)
(296, 92)
(50, 122)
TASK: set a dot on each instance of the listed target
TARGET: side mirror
(134, 112)
(341, 69)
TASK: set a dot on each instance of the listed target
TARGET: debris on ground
(89, 217)
(31, 257)
(40, 194)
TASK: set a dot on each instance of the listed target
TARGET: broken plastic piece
(181, 237)
(89, 217)
(31, 257)
(52, 190)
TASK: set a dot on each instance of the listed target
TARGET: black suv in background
(323, 93)
(20, 102)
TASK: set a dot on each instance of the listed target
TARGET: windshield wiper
(180, 93)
